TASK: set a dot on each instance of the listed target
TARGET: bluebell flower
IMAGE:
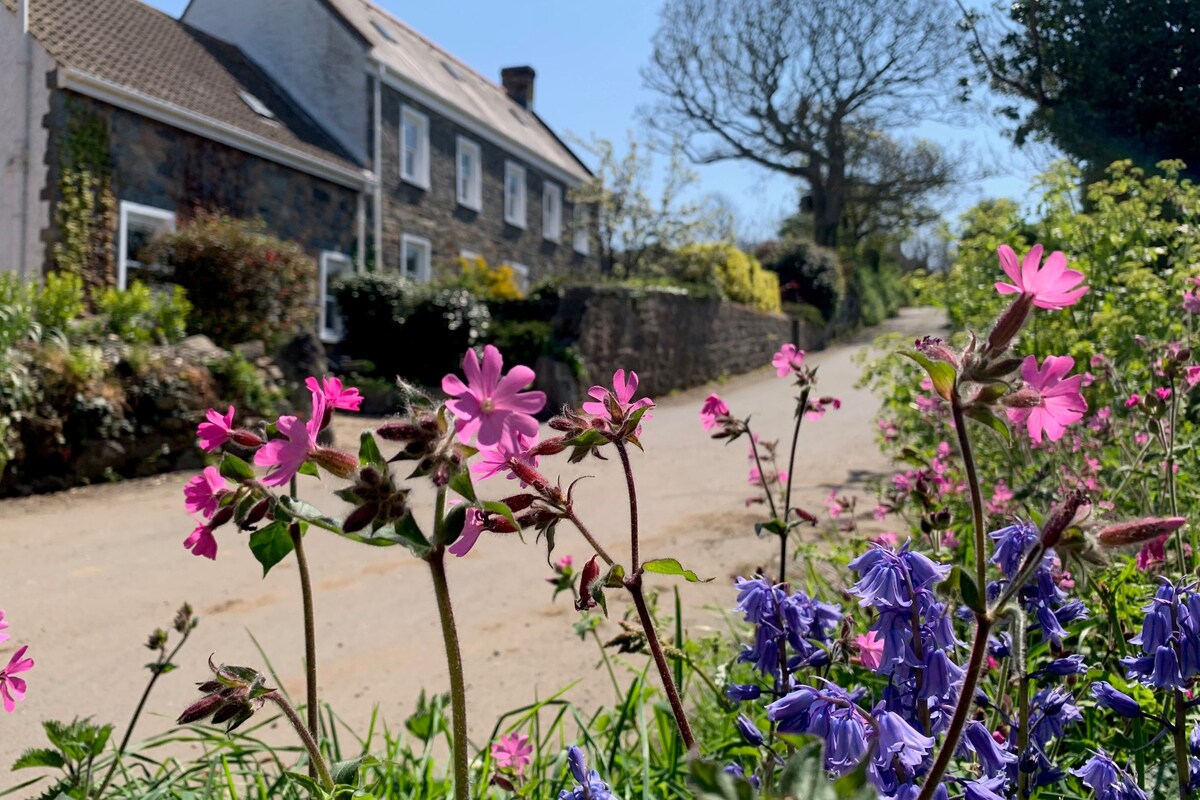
(1194, 740)
(1070, 665)
(941, 676)
(829, 713)
(897, 744)
(1012, 543)
(806, 624)
(1054, 710)
(1000, 646)
(748, 730)
(885, 577)
(739, 771)
(741, 692)
(1102, 775)
(986, 788)
(993, 758)
(596, 789)
(1116, 700)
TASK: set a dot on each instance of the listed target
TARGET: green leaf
(306, 783)
(940, 373)
(669, 566)
(368, 452)
(40, 757)
(290, 508)
(970, 592)
(773, 526)
(496, 507)
(804, 776)
(271, 544)
(461, 483)
(345, 773)
(408, 533)
(709, 781)
(985, 416)
(615, 578)
(308, 468)
(235, 469)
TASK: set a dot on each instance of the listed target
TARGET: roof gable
(422, 63)
(138, 48)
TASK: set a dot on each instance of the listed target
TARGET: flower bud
(519, 502)
(257, 512)
(749, 730)
(538, 518)
(157, 640)
(549, 447)
(1138, 531)
(397, 431)
(528, 475)
(246, 438)
(587, 579)
(1073, 509)
(201, 709)
(185, 619)
(935, 349)
(360, 517)
(1009, 324)
(335, 462)
(1025, 397)
(223, 515)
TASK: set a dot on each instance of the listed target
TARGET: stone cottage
(330, 120)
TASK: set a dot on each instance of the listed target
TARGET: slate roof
(142, 49)
(441, 74)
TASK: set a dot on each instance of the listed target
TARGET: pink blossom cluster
(12, 688)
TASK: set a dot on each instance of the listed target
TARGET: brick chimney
(518, 84)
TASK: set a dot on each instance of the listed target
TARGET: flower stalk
(454, 663)
(316, 760)
(311, 707)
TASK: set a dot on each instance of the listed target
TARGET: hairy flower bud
(587, 581)
(360, 517)
(1009, 324)
(537, 518)
(1025, 397)
(336, 462)
(397, 431)
(1138, 531)
(519, 502)
(223, 515)
(157, 640)
(185, 618)
(1073, 509)
(246, 438)
(549, 447)
(937, 350)
(257, 512)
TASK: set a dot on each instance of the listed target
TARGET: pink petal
(493, 363)
(453, 386)
(1054, 369)
(1006, 288)
(1029, 268)
(1035, 423)
(1052, 271)
(471, 368)
(526, 403)
(1008, 262)
(491, 429)
(1029, 370)
(517, 379)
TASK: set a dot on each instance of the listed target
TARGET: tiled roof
(144, 50)
(423, 63)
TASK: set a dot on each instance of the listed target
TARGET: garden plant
(1032, 630)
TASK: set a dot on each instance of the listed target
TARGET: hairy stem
(310, 742)
(458, 691)
(966, 699)
(311, 708)
(968, 457)
(587, 535)
(137, 712)
(634, 585)
(762, 476)
(634, 555)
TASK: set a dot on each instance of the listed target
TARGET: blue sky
(588, 57)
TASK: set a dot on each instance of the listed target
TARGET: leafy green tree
(1102, 80)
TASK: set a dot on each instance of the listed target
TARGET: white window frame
(472, 198)
(420, 174)
(330, 333)
(425, 272)
(161, 218)
(470, 255)
(515, 208)
(552, 205)
(580, 229)
(521, 275)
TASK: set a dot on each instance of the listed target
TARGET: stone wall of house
(164, 167)
(671, 340)
(435, 214)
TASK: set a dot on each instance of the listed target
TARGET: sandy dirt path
(86, 575)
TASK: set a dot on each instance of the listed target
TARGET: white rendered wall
(305, 49)
(24, 103)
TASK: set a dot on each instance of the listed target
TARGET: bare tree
(808, 88)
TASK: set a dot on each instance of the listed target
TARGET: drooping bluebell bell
(1169, 639)
(805, 624)
(739, 771)
(985, 788)
(1102, 775)
(749, 730)
(993, 757)
(588, 784)
(888, 579)
(741, 692)
(830, 713)
(1053, 709)
(899, 750)
(1109, 697)
(1068, 665)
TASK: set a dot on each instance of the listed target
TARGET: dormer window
(414, 147)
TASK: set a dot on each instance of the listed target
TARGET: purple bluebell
(1000, 646)
(1116, 700)
(739, 771)
(588, 784)
(1109, 782)
(830, 713)
(992, 788)
(1070, 665)
(1053, 710)
(887, 578)
(941, 676)
(993, 757)
(1012, 543)
(749, 730)
(807, 625)
(740, 692)
(899, 751)
(1041, 596)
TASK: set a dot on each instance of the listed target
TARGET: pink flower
(565, 562)
(1001, 495)
(494, 460)
(202, 494)
(12, 688)
(3, 625)
(870, 650)
(833, 505)
(1132, 400)
(1191, 302)
(472, 527)
(216, 431)
(490, 406)
(1141, 438)
(1051, 285)
(285, 456)
(1191, 375)
(622, 392)
(880, 513)
(713, 407)
(788, 359)
(512, 751)
(202, 542)
(335, 395)
(1163, 393)
(1060, 403)
(1153, 552)
(887, 539)
(755, 478)
(949, 540)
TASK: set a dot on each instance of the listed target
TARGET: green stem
(137, 712)
(633, 508)
(1181, 744)
(801, 406)
(1170, 444)
(458, 691)
(608, 665)
(310, 742)
(964, 445)
(311, 709)
(762, 476)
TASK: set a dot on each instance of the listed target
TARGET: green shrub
(808, 273)
(243, 283)
(522, 341)
(17, 311)
(59, 301)
(235, 377)
(139, 315)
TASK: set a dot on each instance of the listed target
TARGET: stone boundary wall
(671, 340)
